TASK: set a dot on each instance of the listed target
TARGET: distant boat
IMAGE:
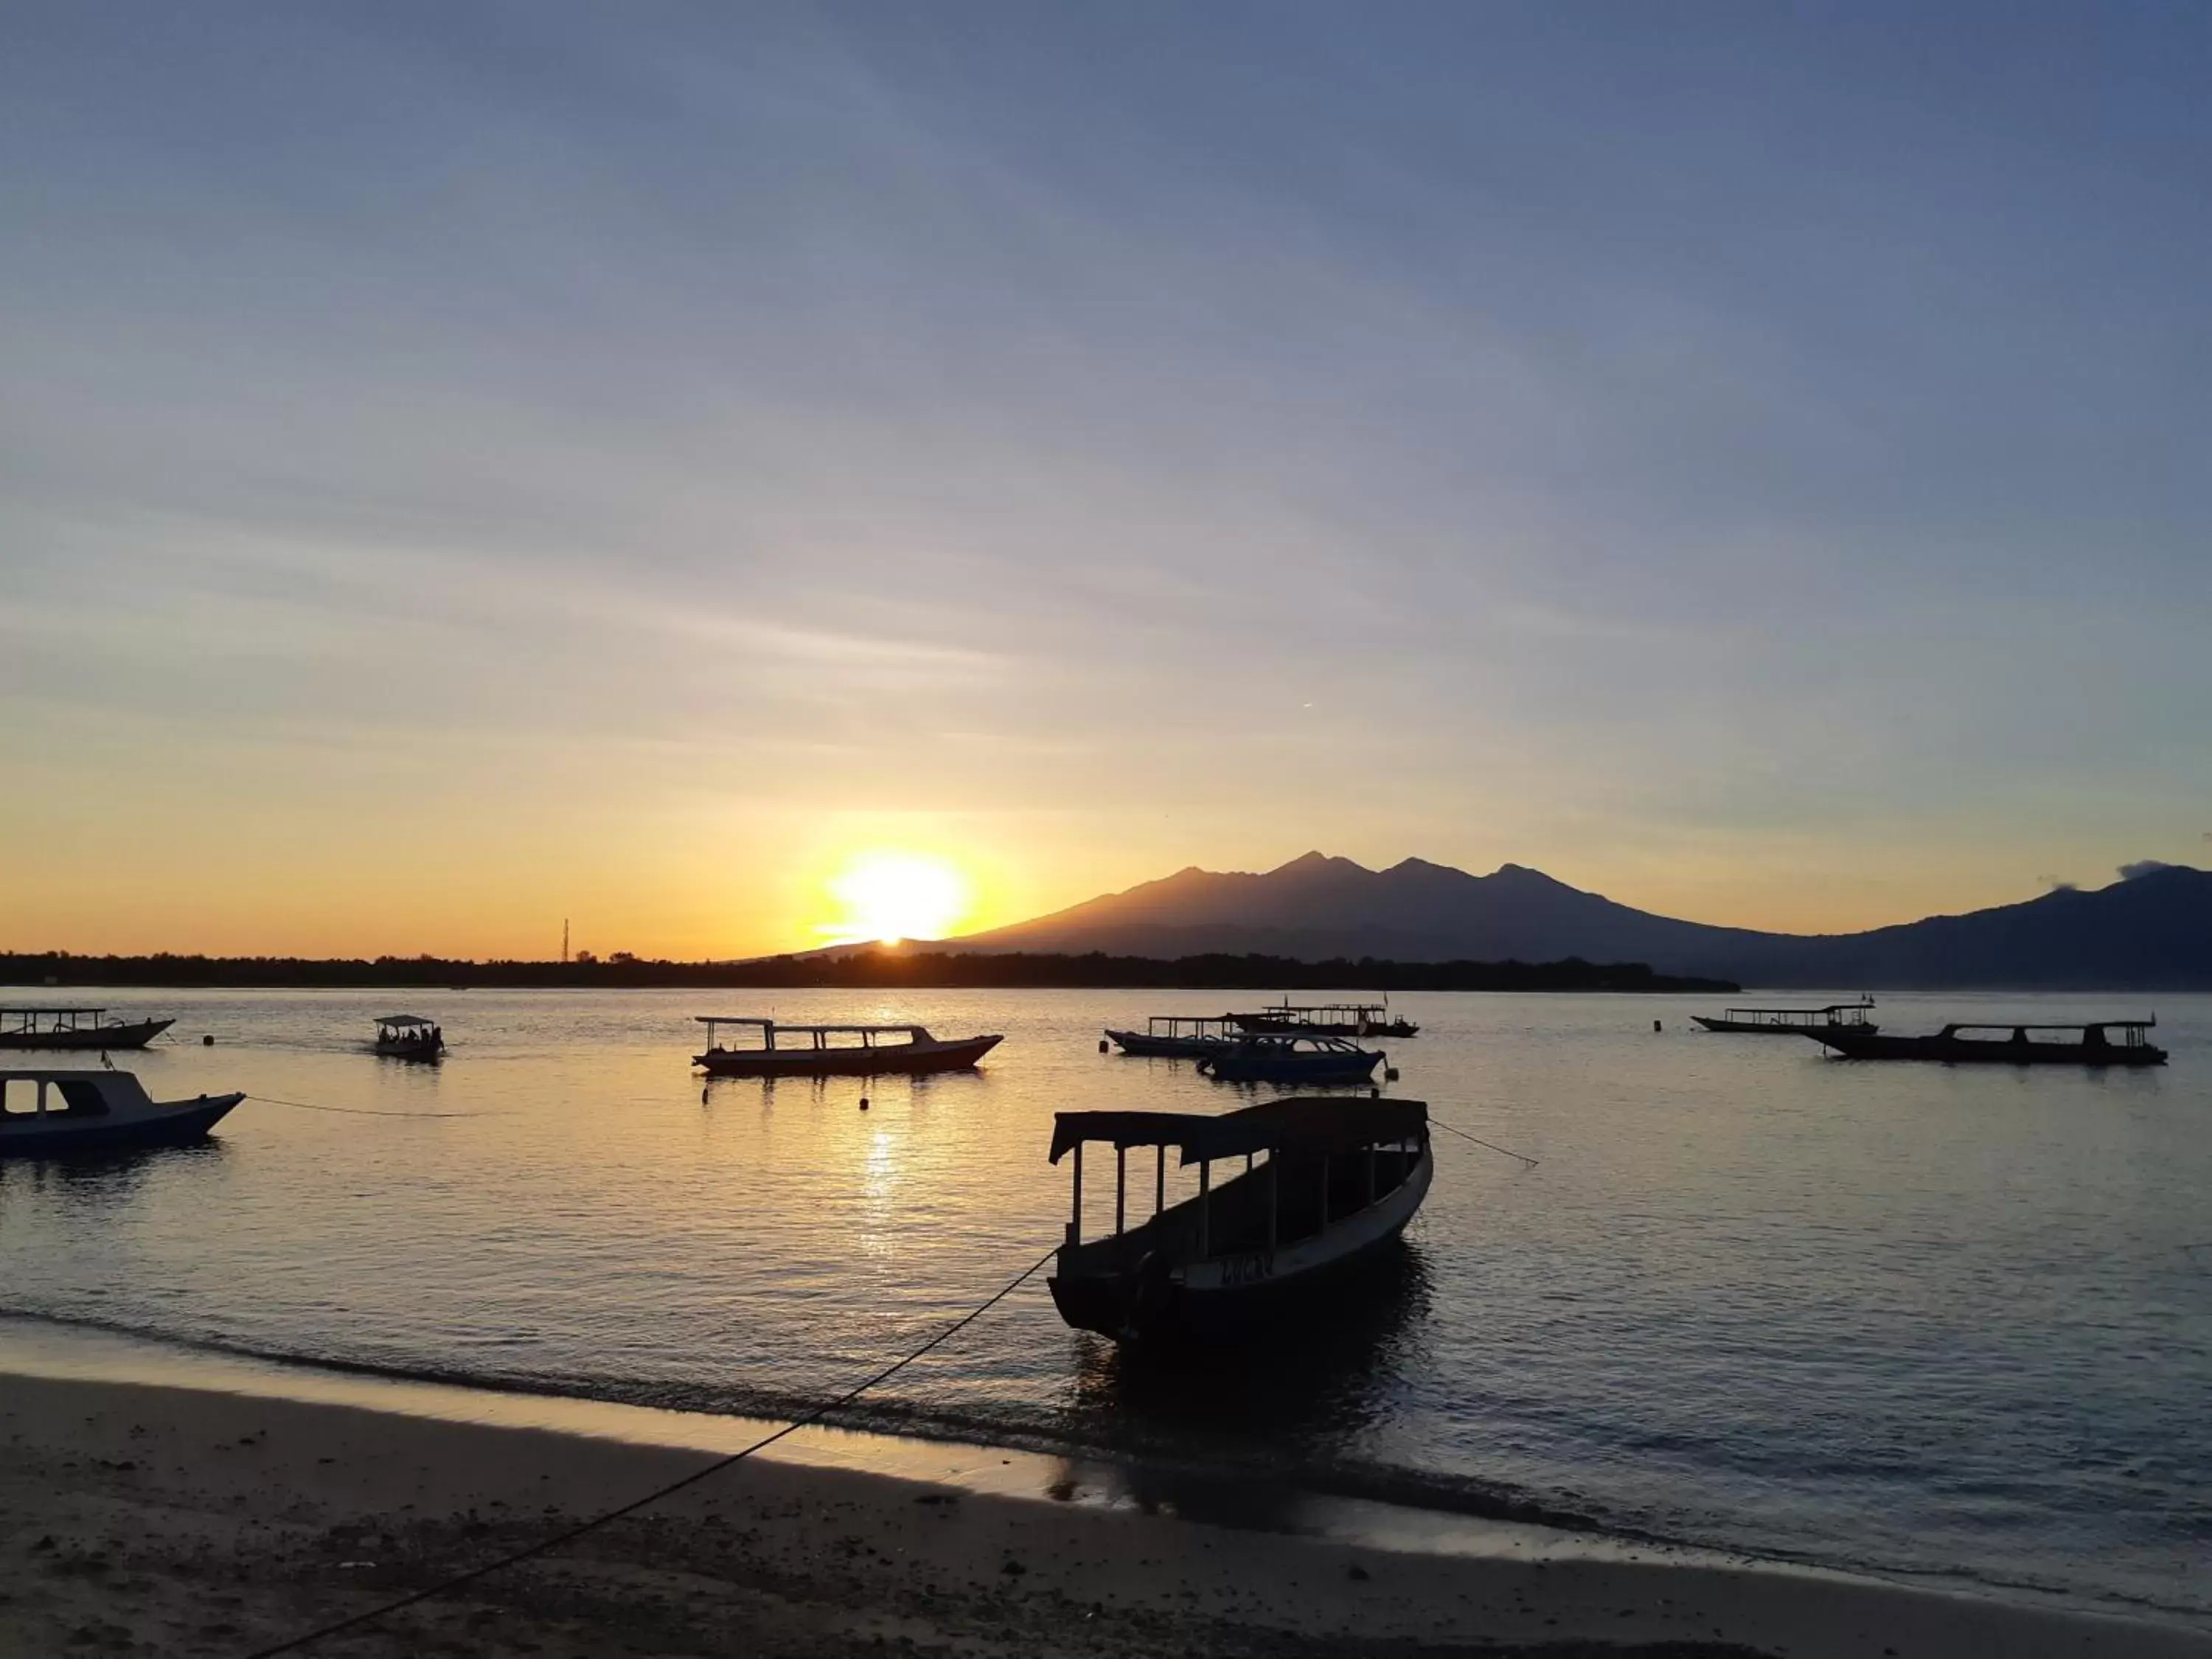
(1793, 1022)
(815, 1055)
(2093, 1045)
(1176, 1035)
(408, 1037)
(1280, 1058)
(1353, 1019)
(68, 1114)
(75, 1028)
(1340, 1180)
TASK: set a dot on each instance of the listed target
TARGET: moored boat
(75, 1028)
(1179, 1036)
(1274, 1057)
(408, 1037)
(64, 1114)
(814, 1053)
(2093, 1044)
(1351, 1019)
(1792, 1022)
(1340, 1180)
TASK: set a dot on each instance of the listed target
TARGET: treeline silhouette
(863, 969)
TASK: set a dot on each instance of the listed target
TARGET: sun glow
(891, 896)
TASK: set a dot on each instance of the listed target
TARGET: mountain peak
(1314, 862)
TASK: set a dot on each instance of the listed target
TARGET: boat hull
(1168, 1047)
(1289, 1068)
(1956, 1051)
(167, 1123)
(1745, 1028)
(891, 1059)
(136, 1034)
(1246, 1296)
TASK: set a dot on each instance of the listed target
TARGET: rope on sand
(295, 1643)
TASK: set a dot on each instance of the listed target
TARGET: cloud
(2145, 868)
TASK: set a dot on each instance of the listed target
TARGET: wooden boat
(1280, 1058)
(408, 1037)
(815, 1055)
(1792, 1022)
(75, 1028)
(1351, 1019)
(2093, 1045)
(72, 1113)
(1175, 1036)
(1340, 1179)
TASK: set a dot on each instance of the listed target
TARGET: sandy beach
(148, 1519)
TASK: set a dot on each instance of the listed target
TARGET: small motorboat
(408, 1037)
(1281, 1058)
(815, 1053)
(2091, 1044)
(1792, 1022)
(1177, 1036)
(75, 1028)
(72, 1114)
(1351, 1019)
(1328, 1181)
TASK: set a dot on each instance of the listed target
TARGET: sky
(467, 466)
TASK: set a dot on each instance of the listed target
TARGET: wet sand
(144, 1519)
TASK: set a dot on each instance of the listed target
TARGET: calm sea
(1914, 1319)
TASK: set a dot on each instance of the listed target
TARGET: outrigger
(2094, 1045)
(815, 1055)
(75, 1028)
(1183, 1036)
(1328, 1182)
(1351, 1019)
(1793, 1022)
(70, 1113)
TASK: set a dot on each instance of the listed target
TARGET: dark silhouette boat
(1351, 1019)
(2093, 1044)
(1792, 1022)
(75, 1028)
(408, 1037)
(814, 1053)
(1280, 1058)
(75, 1114)
(1177, 1036)
(1328, 1183)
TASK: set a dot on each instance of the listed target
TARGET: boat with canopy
(816, 1050)
(75, 1028)
(2099, 1042)
(408, 1037)
(1792, 1022)
(1328, 1182)
(1351, 1019)
(1279, 1058)
(1181, 1036)
(62, 1114)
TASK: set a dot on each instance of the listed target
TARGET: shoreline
(202, 1512)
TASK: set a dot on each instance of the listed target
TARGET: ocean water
(1918, 1319)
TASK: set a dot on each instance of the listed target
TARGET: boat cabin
(410, 1035)
(1191, 1028)
(778, 1038)
(1796, 1019)
(57, 1094)
(2091, 1037)
(41, 1022)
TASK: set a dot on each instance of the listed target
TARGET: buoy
(1656, 1026)
(1373, 1094)
(207, 1041)
(1389, 1074)
(702, 1097)
(1104, 1045)
(863, 1102)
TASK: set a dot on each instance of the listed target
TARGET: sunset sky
(464, 466)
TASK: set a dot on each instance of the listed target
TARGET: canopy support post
(1120, 1185)
(1075, 1221)
(1205, 1208)
(1275, 1199)
(1160, 1180)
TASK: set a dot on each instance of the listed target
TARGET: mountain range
(2150, 930)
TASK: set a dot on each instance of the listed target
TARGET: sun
(891, 896)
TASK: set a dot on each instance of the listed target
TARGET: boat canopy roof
(1305, 1123)
(2063, 1025)
(1832, 1008)
(404, 1021)
(10, 1013)
(785, 1025)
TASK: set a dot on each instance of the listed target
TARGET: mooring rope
(569, 1535)
(1527, 1162)
(359, 1111)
